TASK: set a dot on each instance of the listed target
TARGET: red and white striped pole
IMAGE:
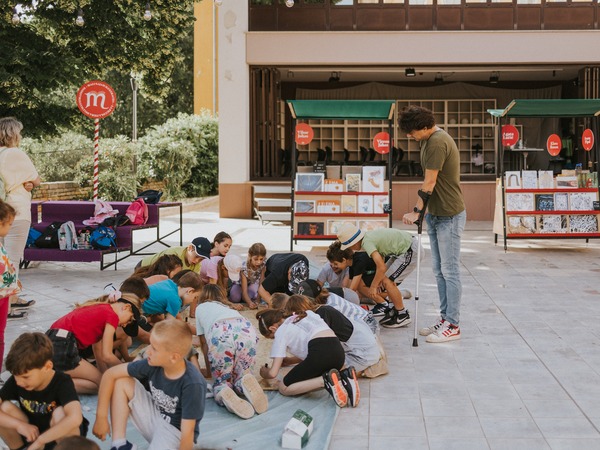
(96, 156)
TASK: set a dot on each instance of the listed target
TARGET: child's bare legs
(123, 392)
(393, 293)
(301, 387)
(59, 414)
(364, 291)
(10, 435)
(86, 378)
(143, 336)
(122, 344)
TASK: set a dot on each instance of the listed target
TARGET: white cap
(233, 264)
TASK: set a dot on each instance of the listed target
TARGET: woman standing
(19, 177)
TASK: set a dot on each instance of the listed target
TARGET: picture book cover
(561, 201)
(378, 203)
(348, 204)
(529, 179)
(519, 202)
(309, 182)
(521, 224)
(567, 182)
(353, 182)
(333, 185)
(553, 224)
(369, 225)
(545, 179)
(334, 226)
(512, 179)
(365, 204)
(373, 179)
(582, 201)
(583, 224)
(328, 206)
(305, 206)
(544, 202)
(311, 228)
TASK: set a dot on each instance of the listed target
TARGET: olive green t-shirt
(387, 241)
(439, 152)
(179, 251)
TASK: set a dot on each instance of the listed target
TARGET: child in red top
(92, 326)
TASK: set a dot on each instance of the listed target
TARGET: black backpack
(151, 196)
(49, 237)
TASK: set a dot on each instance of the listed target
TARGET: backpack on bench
(103, 238)
(49, 237)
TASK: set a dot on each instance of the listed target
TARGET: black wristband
(417, 210)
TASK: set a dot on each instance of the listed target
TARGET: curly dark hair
(415, 118)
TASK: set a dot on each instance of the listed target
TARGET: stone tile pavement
(525, 375)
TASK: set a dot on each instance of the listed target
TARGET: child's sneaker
(333, 385)
(432, 329)
(350, 383)
(446, 333)
(380, 309)
(396, 319)
(235, 404)
(126, 446)
(254, 393)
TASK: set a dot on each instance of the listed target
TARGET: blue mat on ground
(219, 429)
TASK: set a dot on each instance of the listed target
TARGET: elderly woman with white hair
(19, 177)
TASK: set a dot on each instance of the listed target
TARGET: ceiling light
(410, 72)
(79, 21)
(335, 77)
(438, 78)
(289, 3)
(494, 77)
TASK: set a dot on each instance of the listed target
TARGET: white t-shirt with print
(294, 336)
(208, 313)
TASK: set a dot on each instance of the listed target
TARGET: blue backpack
(103, 238)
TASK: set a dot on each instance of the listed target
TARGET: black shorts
(66, 355)
(324, 353)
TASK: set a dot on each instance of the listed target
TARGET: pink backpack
(137, 212)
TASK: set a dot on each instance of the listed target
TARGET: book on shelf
(353, 182)
(521, 224)
(529, 179)
(304, 206)
(379, 202)
(583, 224)
(561, 201)
(334, 226)
(519, 201)
(348, 204)
(373, 179)
(567, 182)
(369, 225)
(333, 185)
(311, 228)
(512, 179)
(365, 204)
(553, 224)
(581, 201)
(328, 206)
(309, 182)
(545, 179)
(544, 202)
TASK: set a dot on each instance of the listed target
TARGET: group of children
(332, 338)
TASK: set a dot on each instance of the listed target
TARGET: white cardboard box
(298, 430)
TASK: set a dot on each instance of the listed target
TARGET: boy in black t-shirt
(283, 273)
(168, 414)
(48, 406)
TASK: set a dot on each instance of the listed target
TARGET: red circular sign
(587, 139)
(96, 99)
(554, 144)
(381, 142)
(304, 134)
(510, 135)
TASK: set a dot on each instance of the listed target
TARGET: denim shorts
(66, 355)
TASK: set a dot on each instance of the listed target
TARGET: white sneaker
(446, 333)
(235, 404)
(254, 393)
(432, 329)
(406, 294)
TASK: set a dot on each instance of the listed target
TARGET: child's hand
(101, 428)
(252, 305)
(29, 432)
(236, 306)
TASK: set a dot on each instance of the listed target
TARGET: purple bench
(44, 213)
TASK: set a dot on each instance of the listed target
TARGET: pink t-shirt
(88, 322)
(209, 269)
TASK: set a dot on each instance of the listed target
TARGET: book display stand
(535, 203)
(327, 197)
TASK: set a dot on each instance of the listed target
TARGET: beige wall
(205, 58)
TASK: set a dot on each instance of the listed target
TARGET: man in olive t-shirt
(446, 215)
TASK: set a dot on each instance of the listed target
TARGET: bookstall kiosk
(359, 110)
(567, 211)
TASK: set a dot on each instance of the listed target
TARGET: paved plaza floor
(525, 375)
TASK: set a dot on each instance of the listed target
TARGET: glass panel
(420, 2)
(529, 2)
(453, 2)
(342, 2)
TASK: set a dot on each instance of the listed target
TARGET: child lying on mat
(317, 351)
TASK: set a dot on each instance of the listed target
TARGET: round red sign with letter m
(96, 99)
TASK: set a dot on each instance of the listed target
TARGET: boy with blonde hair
(47, 407)
(169, 413)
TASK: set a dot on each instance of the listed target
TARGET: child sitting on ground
(168, 414)
(191, 256)
(228, 341)
(46, 407)
(218, 270)
(251, 276)
(317, 351)
(334, 274)
(164, 268)
(91, 325)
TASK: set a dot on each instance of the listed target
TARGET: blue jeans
(444, 237)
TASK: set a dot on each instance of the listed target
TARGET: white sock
(403, 310)
(118, 443)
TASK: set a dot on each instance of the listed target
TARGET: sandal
(22, 304)
(16, 315)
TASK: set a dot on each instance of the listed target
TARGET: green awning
(549, 108)
(342, 109)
